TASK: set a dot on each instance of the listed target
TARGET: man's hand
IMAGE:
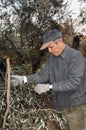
(17, 80)
(41, 88)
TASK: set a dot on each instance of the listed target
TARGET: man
(76, 42)
(64, 76)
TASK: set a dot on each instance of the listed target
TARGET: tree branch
(8, 92)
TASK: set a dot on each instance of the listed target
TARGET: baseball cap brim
(45, 45)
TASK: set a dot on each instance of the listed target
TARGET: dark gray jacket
(67, 75)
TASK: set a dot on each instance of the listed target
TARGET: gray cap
(51, 35)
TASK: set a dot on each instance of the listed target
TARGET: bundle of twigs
(23, 109)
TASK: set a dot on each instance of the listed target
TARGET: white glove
(17, 80)
(41, 88)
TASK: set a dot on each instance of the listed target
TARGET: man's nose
(49, 49)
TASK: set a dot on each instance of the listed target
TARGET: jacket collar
(64, 52)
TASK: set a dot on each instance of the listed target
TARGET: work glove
(17, 80)
(41, 88)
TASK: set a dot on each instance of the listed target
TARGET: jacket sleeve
(75, 75)
(41, 77)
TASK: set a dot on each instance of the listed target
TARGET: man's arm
(40, 77)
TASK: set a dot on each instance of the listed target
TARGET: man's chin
(56, 54)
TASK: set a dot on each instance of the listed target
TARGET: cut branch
(8, 92)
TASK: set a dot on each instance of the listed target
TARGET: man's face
(56, 48)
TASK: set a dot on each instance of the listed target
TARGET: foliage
(24, 24)
(27, 23)
(82, 15)
(29, 110)
(42, 11)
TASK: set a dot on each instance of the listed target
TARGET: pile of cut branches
(22, 109)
